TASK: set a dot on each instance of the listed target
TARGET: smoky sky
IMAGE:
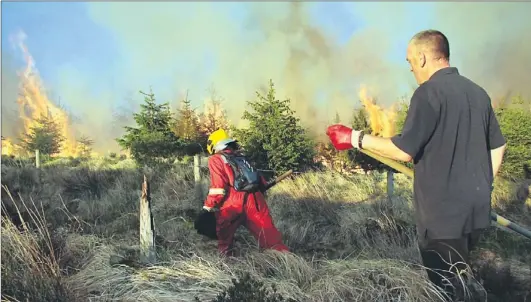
(192, 47)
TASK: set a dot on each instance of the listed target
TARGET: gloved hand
(342, 136)
(208, 209)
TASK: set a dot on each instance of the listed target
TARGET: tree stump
(147, 226)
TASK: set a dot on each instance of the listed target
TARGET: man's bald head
(433, 42)
(427, 52)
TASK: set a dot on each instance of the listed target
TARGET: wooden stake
(390, 184)
(197, 171)
(37, 158)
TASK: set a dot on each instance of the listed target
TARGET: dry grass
(30, 265)
(349, 242)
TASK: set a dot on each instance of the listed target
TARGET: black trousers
(443, 258)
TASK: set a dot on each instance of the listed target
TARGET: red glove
(340, 136)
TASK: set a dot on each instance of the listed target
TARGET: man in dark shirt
(452, 136)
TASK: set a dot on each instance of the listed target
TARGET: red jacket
(221, 189)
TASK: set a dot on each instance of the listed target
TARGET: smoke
(491, 43)
(11, 124)
(278, 41)
(101, 115)
(237, 47)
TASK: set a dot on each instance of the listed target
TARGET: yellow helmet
(218, 140)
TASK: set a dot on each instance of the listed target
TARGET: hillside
(349, 242)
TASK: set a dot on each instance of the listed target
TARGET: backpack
(246, 178)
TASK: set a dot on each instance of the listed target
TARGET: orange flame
(382, 121)
(33, 102)
(8, 148)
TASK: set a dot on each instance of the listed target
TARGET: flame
(8, 147)
(33, 102)
(382, 121)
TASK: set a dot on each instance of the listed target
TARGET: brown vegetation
(349, 242)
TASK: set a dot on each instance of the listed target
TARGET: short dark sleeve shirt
(449, 132)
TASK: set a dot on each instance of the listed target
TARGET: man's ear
(422, 59)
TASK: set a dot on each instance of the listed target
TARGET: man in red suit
(236, 196)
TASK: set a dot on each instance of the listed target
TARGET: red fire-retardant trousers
(255, 217)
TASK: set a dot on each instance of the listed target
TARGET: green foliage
(44, 136)
(515, 123)
(367, 163)
(275, 139)
(249, 289)
(153, 142)
(401, 115)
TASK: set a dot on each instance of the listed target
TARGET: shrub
(249, 289)
(153, 143)
(515, 123)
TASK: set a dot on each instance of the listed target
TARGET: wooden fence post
(147, 226)
(197, 171)
(37, 158)
(390, 184)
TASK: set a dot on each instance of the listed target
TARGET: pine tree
(275, 139)
(153, 141)
(187, 123)
(44, 136)
(85, 146)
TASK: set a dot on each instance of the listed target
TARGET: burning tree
(381, 122)
(34, 103)
(186, 127)
(213, 117)
(44, 135)
(186, 124)
(360, 121)
(85, 146)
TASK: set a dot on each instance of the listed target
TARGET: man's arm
(420, 123)
(497, 142)
(384, 147)
(496, 156)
